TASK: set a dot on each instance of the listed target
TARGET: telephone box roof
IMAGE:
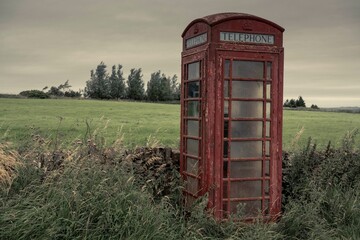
(217, 18)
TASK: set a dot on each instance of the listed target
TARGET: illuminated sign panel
(247, 37)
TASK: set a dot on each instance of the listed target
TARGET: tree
(98, 85)
(286, 103)
(63, 87)
(153, 87)
(165, 88)
(90, 88)
(162, 88)
(61, 91)
(135, 84)
(292, 103)
(295, 103)
(72, 94)
(117, 83)
(55, 91)
(58, 91)
(314, 106)
(300, 102)
(175, 88)
(159, 87)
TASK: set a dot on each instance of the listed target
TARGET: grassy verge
(92, 191)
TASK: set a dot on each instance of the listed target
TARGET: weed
(9, 164)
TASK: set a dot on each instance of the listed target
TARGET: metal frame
(264, 119)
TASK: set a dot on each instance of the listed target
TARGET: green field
(136, 122)
(141, 123)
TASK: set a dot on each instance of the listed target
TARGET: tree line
(300, 102)
(292, 103)
(63, 90)
(104, 85)
(101, 85)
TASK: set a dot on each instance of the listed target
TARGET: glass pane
(246, 208)
(226, 108)
(245, 189)
(248, 69)
(227, 68)
(267, 148)
(247, 89)
(267, 207)
(268, 91)
(226, 129)
(193, 147)
(193, 70)
(226, 149)
(268, 126)
(225, 189)
(193, 89)
(225, 210)
(245, 169)
(192, 166)
(192, 185)
(267, 168)
(243, 109)
(193, 108)
(268, 110)
(246, 149)
(269, 70)
(226, 89)
(225, 169)
(193, 128)
(267, 188)
(246, 129)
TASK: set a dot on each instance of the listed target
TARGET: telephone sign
(231, 114)
(194, 41)
(246, 37)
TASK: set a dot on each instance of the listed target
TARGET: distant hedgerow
(34, 94)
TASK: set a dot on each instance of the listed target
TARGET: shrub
(34, 94)
(321, 192)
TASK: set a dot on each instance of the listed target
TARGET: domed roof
(217, 18)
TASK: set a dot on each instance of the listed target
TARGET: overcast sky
(46, 42)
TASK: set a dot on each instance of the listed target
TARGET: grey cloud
(45, 42)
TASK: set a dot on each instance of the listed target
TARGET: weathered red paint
(204, 128)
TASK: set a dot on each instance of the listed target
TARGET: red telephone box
(231, 114)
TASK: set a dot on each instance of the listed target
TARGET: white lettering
(197, 40)
(247, 37)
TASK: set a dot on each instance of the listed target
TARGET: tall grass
(9, 165)
(321, 192)
(90, 191)
(86, 197)
(86, 201)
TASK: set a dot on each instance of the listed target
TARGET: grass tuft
(9, 164)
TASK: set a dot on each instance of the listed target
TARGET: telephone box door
(249, 157)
